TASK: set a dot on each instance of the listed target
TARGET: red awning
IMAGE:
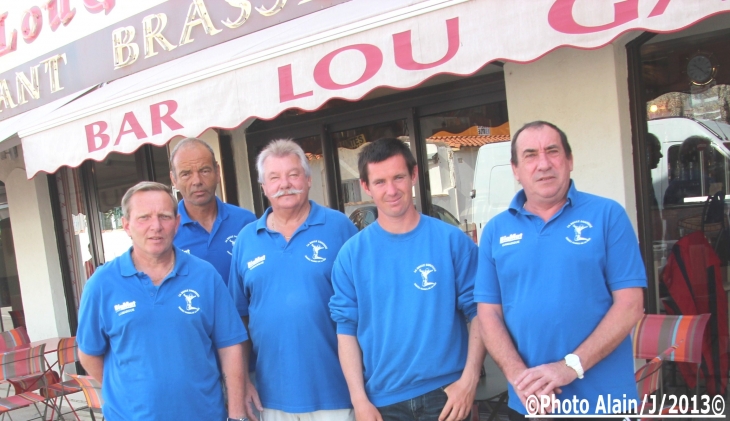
(345, 51)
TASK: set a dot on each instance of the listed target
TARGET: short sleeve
(624, 266)
(228, 328)
(466, 272)
(486, 288)
(235, 279)
(343, 304)
(91, 335)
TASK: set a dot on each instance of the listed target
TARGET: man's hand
(546, 379)
(460, 400)
(366, 411)
(251, 400)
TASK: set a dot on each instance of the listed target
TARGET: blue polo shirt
(159, 344)
(407, 298)
(215, 247)
(554, 281)
(284, 288)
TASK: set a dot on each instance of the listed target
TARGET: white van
(494, 184)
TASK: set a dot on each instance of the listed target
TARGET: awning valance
(345, 51)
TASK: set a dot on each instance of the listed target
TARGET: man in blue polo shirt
(403, 295)
(280, 281)
(208, 227)
(155, 322)
(560, 285)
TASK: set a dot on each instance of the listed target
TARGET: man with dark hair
(559, 284)
(403, 295)
(208, 227)
(157, 327)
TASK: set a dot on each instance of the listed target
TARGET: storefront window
(686, 89)
(349, 144)
(11, 304)
(75, 224)
(453, 141)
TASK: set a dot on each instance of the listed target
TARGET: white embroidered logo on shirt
(578, 228)
(508, 240)
(316, 246)
(125, 307)
(425, 270)
(256, 262)
(189, 296)
(231, 239)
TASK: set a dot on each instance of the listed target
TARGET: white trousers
(324, 415)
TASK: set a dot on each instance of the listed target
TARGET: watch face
(700, 69)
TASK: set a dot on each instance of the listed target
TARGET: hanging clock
(700, 69)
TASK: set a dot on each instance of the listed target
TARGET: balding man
(208, 227)
(155, 324)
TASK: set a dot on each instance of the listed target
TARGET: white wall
(36, 251)
(585, 93)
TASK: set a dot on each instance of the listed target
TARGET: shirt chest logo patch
(316, 247)
(189, 295)
(579, 236)
(256, 262)
(125, 307)
(231, 239)
(425, 270)
(510, 240)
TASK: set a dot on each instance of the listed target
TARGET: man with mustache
(280, 282)
(560, 283)
(208, 227)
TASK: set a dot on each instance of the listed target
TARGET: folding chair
(66, 354)
(92, 393)
(13, 337)
(25, 369)
(656, 332)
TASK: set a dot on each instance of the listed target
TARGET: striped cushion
(14, 337)
(33, 381)
(23, 362)
(654, 333)
(19, 401)
(67, 351)
(61, 389)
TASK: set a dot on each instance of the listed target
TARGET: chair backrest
(655, 333)
(67, 351)
(92, 390)
(13, 337)
(23, 362)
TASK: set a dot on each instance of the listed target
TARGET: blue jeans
(426, 407)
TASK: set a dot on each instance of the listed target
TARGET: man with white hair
(280, 282)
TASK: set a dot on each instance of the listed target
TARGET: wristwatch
(573, 361)
(237, 419)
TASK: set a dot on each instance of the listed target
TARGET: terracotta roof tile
(465, 141)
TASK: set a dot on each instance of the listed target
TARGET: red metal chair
(26, 370)
(66, 354)
(92, 393)
(655, 333)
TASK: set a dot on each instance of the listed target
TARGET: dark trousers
(426, 407)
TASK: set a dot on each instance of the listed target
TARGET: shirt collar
(317, 216)
(518, 202)
(181, 263)
(185, 218)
